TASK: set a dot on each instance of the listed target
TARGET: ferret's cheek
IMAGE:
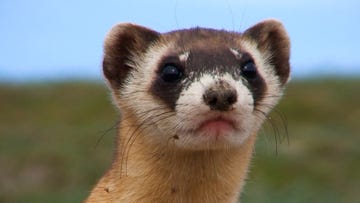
(190, 105)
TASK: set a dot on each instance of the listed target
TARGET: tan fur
(154, 174)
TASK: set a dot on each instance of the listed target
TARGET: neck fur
(142, 172)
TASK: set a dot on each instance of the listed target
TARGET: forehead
(203, 39)
(206, 50)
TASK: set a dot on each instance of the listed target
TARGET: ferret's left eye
(171, 73)
(248, 69)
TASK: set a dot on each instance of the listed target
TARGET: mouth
(218, 126)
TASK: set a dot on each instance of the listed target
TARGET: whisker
(149, 121)
(103, 133)
(269, 119)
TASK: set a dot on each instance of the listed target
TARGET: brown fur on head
(126, 40)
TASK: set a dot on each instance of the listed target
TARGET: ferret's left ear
(272, 39)
(124, 42)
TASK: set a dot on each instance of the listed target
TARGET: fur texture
(189, 139)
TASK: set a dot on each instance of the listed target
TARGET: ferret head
(197, 88)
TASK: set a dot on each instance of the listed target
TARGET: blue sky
(44, 39)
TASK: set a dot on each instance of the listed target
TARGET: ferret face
(198, 88)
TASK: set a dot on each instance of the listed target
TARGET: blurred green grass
(49, 134)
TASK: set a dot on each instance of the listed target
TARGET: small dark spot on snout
(173, 190)
(176, 137)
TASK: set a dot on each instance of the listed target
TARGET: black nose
(220, 99)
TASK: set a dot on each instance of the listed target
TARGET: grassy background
(49, 132)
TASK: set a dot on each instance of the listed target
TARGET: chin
(211, 139)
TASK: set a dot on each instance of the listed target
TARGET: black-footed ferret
(191, 104)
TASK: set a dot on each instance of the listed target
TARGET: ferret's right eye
(171, 73)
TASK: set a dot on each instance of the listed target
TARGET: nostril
(212, 101)
(210, 98)
(231, 97)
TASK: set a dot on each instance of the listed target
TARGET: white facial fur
(179, 127)
(191, 112)
(274, 89)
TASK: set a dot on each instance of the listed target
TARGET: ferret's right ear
(122, 44)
